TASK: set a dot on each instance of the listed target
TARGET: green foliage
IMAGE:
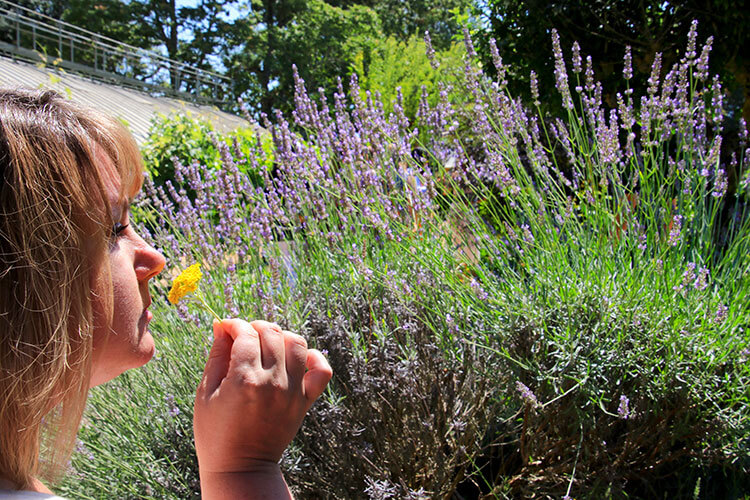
(319, 39)
(177, 136)
(189, 139)
(560, 311)
(404, 19)
(110, 18)
(193, 35)
(603, 30)
(390, 64)
(323, 40)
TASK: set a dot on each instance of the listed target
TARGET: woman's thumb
(316, 378)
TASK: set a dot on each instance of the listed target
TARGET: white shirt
(26, 495)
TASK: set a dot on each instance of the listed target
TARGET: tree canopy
(318, 38)
(603, 29)
(192, 35)
(261, 40)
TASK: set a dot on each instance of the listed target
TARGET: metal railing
(35, 37)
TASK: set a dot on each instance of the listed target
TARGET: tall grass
(514, 305)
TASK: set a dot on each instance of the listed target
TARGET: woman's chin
(146, 349)
(105, 370)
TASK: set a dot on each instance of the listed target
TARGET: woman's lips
(145, 319)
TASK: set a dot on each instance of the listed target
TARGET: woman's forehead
(111, 180)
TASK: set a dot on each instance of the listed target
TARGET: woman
(74, 312)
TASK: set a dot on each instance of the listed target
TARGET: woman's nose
(148, 261)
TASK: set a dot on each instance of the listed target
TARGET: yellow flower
(185, 283)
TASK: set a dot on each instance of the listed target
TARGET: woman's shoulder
(26, 495)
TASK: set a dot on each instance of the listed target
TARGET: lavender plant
(514, 305)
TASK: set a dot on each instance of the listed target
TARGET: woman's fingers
(246, 350)
(218, 360)
(318, 374)
(241, 347)
(271, 347)
(254, 394)
(296, 357)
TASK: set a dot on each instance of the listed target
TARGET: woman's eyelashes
(118, 228)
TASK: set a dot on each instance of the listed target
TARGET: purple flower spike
(627, 70)
(576, 57)
(478, 290)
(561, 74)
(430, 51)
(692, 36)
(701, 282)
(623, 409)
(534, 88)
(702, 64)
(526, 394)
(498, 62)
(721, 314)
(469, 44)
(674, 232)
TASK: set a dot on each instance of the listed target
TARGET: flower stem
(202, 299)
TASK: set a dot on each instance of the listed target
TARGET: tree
(190, 35)
(111, 18)
(603, 28)
(406, 18)
(391, 64)
(320, 39)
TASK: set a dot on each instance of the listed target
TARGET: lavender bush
(514, 306)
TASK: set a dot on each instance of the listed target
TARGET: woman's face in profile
(127, 342)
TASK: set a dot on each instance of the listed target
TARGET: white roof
(136, 109)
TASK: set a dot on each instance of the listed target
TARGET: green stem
(202, 299)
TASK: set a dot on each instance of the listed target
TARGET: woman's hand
(258, 384)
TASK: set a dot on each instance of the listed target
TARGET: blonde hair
(55, 225)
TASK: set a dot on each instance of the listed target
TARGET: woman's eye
(118, 228)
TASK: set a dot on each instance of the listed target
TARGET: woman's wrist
(259, 480)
